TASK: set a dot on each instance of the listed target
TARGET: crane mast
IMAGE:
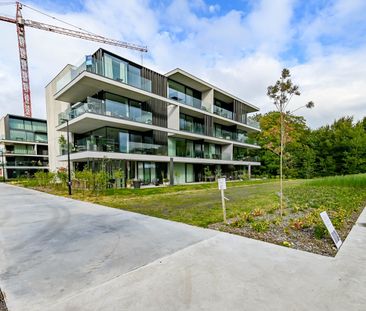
(24, 72)
(21, 23)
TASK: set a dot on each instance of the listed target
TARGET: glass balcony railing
(196, 128)
(27, 163)
(223, 112)
(100, 107)
(21, 151)
(251, 122)
(106, 145)
(246, 158)
(241, 138)
(185, 98)
(98, 67)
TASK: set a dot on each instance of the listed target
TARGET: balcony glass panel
(109, 108)
(116, 140)
(190, 124)
(110, 67)
(183, 94)
(223, 112)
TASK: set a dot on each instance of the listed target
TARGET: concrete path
(61, 254)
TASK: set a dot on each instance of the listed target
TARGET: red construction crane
(21, 23)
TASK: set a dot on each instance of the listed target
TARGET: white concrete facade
(73, 87)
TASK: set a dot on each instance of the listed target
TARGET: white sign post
(332, 231)
(222, 187)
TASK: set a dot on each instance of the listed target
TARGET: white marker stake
(222, 187)
(332, 231)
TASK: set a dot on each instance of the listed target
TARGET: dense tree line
(336, 149)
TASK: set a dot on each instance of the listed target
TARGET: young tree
(281, 94)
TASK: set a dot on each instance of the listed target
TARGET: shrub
(260, 226)
(297, 224)
(44, 178)
(242, 220)
(257, 212)
(320, 231)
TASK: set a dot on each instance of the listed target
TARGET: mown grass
(200, 204)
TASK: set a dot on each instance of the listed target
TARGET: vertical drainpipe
(171, 172)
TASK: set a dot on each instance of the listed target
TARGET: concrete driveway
(61, 254)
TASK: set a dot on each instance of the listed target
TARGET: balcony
(196, 128)
(185, 98)
(241, 138)
(27, 163)
(98, 67)
(251, 122)
(100, 107)
(223, 112)
(108, 145)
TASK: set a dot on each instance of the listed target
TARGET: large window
(16, 124)
(122, 71)
(27, 130)
(18, 135)
(110, 139)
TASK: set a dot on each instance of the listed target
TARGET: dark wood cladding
(158, 87)
(159, 83)
(208, 125)
(160, 138)
(238, 110)
(159, 112)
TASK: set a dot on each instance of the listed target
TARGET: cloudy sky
(240, 46)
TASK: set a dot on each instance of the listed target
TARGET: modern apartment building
(151, 126)
(23, 146)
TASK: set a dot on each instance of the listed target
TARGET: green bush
(260, 226)
(242, 220)
(320, 231)
(44, 179)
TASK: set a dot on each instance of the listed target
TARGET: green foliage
(242, 219)
(337, 149)
(320, 231)
(44, 179)
(260, 226)
(257, 212)
(218, 172)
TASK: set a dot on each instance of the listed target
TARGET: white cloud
(237, 51)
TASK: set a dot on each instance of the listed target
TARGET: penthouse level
(151, 126)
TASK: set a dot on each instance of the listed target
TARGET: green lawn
(253, 209)
(200, 204)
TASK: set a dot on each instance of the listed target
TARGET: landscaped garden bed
(300, 225)
(253, 209)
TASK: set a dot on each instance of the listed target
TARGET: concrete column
(173, 117)
(249, 171)
(208, 99)
(171, 172)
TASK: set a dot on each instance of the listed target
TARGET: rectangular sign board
(222, 183)
(332, 231)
